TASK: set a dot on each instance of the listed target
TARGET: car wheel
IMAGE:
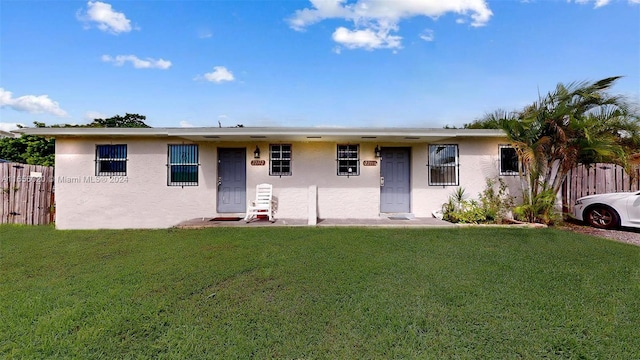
(602, 217)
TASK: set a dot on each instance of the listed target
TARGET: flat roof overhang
(251, 134)
(6, 133)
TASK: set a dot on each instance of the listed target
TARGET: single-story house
(159, 177)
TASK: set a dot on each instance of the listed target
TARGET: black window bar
(183, 165)
(348, 160)
(111, 160)
(280, 160)
(443, 165)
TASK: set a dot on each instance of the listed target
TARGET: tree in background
(126, 121)
(38, 150)
(28, 149)
(578, 123)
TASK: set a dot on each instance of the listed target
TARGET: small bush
(494, 205)
(540, 210)
(459, 210)
(471, 213)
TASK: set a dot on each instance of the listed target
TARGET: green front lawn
(317, 293)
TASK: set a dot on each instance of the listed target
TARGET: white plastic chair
(262, 205)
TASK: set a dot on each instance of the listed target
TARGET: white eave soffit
(407, 135)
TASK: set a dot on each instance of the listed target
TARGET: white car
(607, 211)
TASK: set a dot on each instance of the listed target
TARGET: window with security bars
(348, 160)
(280, 160)
(183, 165)
(508, 160)
(111, 160)
(443, 165)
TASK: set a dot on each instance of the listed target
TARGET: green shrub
(540, 210)
(496, 204)
(493, 207)
(459, 210)
(471, 213)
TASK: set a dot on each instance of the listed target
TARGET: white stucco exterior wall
(479, 160)
(142, 199)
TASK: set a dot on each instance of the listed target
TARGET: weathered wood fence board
(26, 193)
(597, 179)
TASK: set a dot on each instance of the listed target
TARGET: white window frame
(278, 157)
(186, 160)
(450, 170)
(118, 158)
(348, 157)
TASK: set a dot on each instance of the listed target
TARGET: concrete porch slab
(381, 222)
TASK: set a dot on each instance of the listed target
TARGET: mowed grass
(317, 293)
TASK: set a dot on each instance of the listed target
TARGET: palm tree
(575, 123)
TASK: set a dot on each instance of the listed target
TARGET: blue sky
(353, 63)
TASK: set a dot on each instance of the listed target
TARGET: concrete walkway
(381, 222)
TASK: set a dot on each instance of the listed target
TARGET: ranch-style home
(159, 177)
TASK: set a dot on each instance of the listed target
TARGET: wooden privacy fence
(597, 179)
(26, 194)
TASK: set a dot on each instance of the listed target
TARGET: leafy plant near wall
(541, 208)
(460, 210)
(494, 205)
(497, 203)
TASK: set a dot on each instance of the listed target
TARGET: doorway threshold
(398, 216)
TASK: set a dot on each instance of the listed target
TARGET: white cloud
(5, 97)
(218, 75)
(185, 124)
(600, 3)
(33, 104)
(137, 63)
(105, 17)
(427, 35)
(376, 21)
(9, 126)
(322, 9)
(368, 39)
(92, 115)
